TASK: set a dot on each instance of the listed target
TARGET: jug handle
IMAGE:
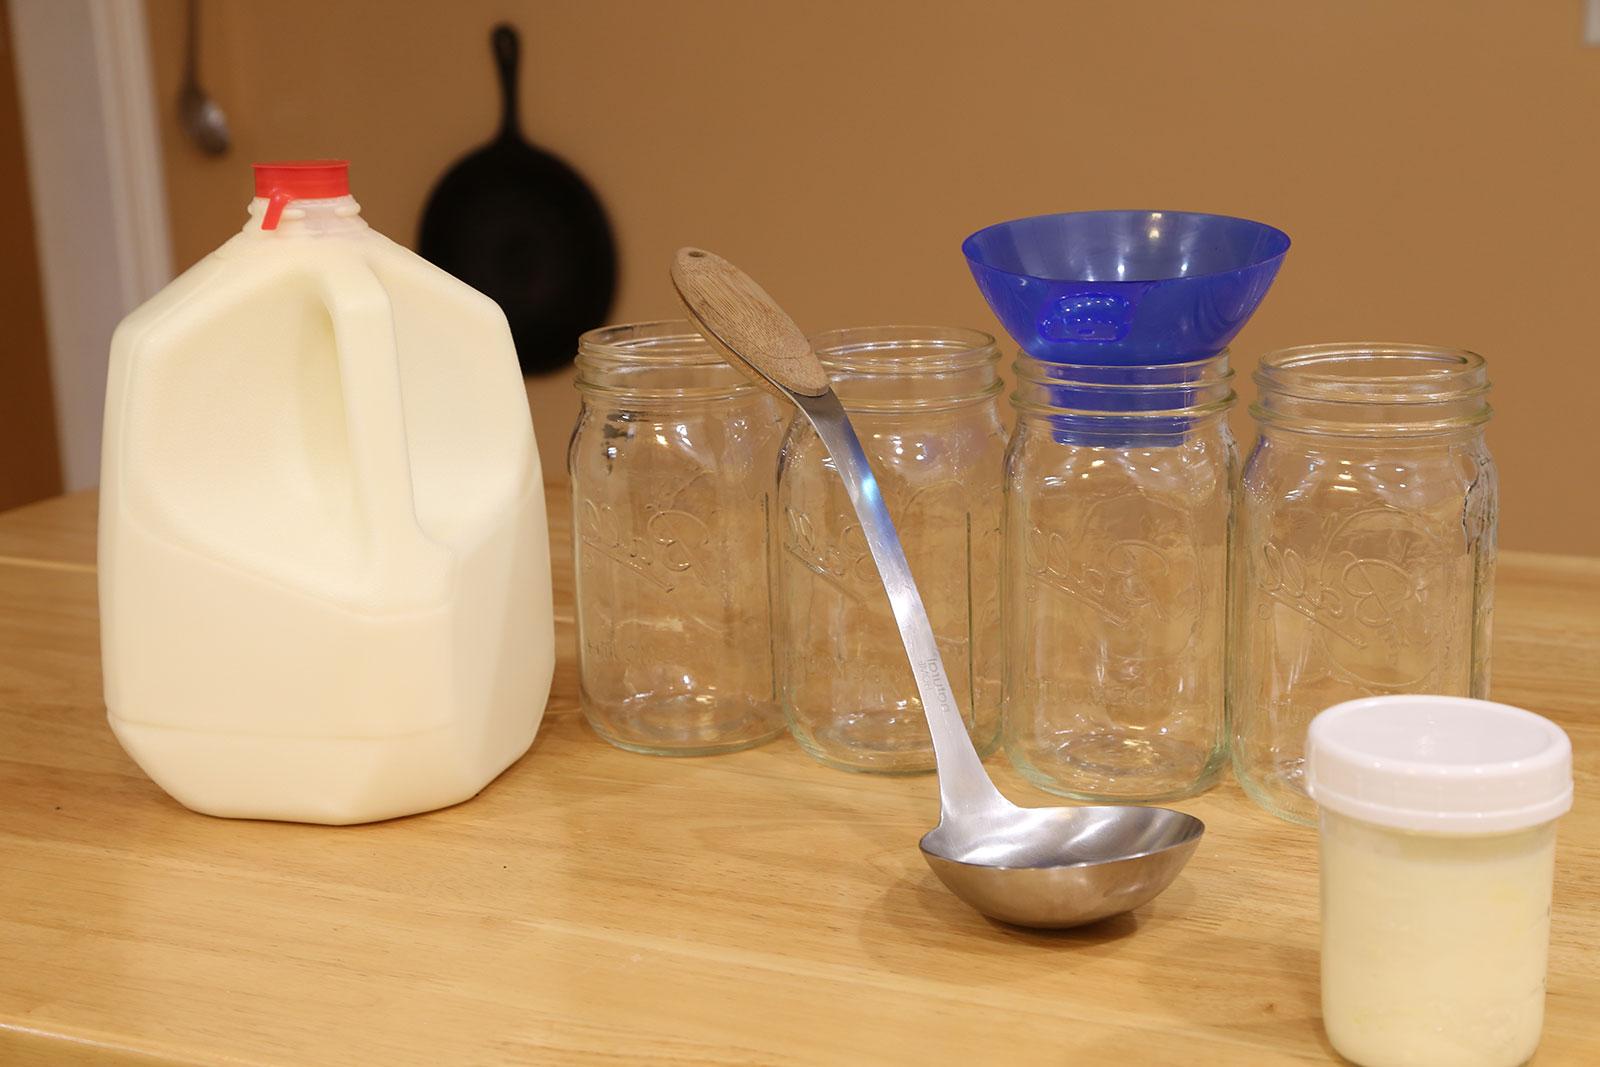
(369, 374)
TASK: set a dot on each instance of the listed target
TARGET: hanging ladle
(200, 115)
(1044, 867)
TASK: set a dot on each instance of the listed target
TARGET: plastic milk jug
(324, 564)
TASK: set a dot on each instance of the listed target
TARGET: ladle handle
(753, 333)
(964, 786)
(746, 325)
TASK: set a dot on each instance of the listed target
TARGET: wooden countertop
(595, 906)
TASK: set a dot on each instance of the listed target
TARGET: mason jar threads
(673, 462)
(924, 401)
(1118, 485)
(1365, 547)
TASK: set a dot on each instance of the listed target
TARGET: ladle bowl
(1121, 288)
(1060, 867)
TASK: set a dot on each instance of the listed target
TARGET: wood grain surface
(593, 906)
(744, 324)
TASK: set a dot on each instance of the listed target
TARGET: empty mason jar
(674, 464)
(1118, 506)
(1364, 554)
(924, 403)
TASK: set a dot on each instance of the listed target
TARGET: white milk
(1434, 946)
(1438, 842)
(324, 566)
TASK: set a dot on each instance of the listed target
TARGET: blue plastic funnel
(1115, 288)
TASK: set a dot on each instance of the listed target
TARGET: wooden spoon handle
(745, 325)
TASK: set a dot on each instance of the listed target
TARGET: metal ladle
(201, 116)
(1042, 867)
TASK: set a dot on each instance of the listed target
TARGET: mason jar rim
(1372, 389)
(669, 341)
(607, 354)
(1192, 412)
(1445, 374)
(903, 349)
(903, 369)
(1198, 388)
(1220, 359)
(1191, 374)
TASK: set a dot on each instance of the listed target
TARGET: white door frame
(99, 196)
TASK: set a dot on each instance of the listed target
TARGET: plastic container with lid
(1438, 835)
(324, 567)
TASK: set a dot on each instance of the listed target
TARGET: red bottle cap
(307, 179)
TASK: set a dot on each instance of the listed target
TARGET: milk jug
(324, 567)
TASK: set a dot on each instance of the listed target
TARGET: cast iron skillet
(518, 224)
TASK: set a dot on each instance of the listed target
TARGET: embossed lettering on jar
(1118, 483)
(1364, 556)
(674, 463)
(924, 402)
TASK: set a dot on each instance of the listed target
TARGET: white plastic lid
(1447, 765)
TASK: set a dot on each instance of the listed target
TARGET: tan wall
(1436, 161)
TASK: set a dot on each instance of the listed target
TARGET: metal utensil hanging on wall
(515, 222)
(201, 117)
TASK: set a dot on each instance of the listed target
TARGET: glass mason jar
(1364, 555)
(1118, 509)
(674, 462)
(924, 403)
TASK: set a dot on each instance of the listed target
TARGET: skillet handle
(507, 52)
